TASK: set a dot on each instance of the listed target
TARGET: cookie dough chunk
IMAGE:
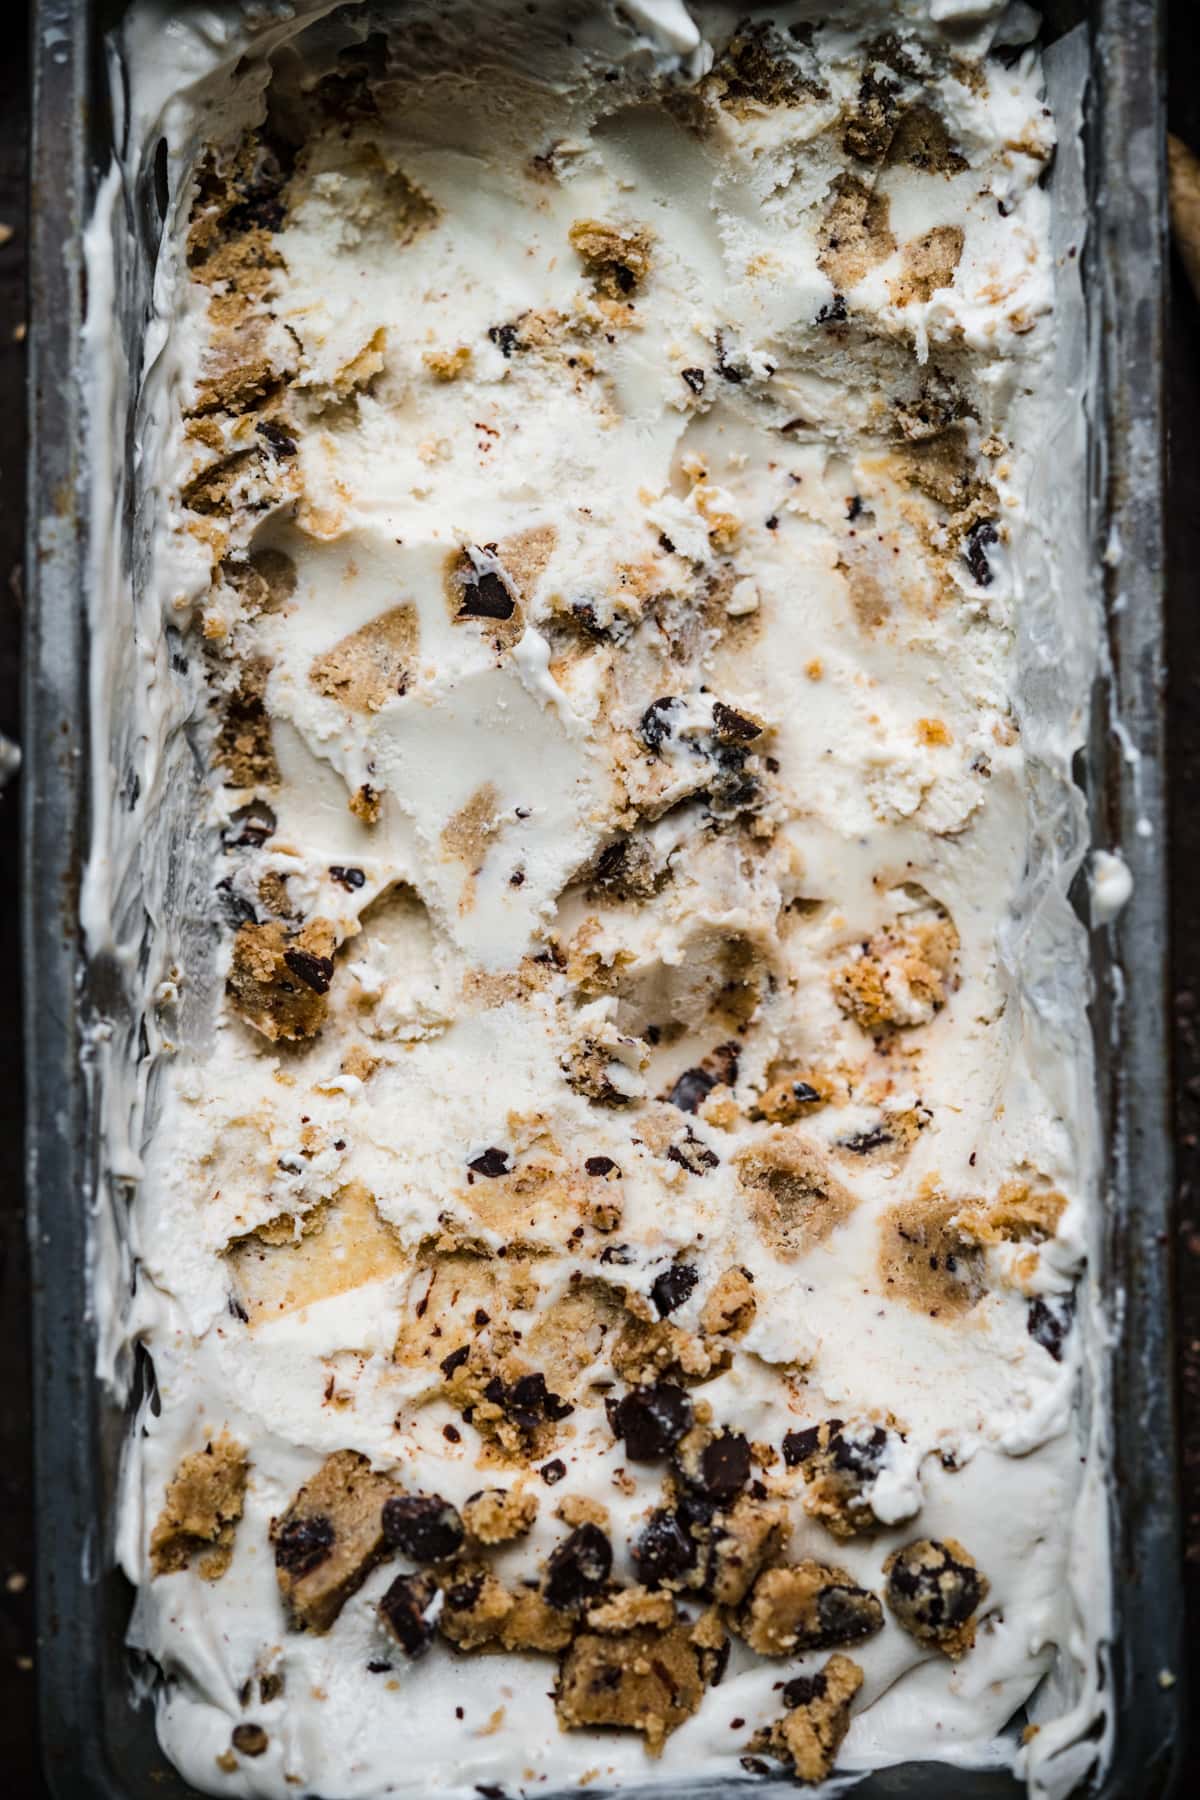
(1021, 1213)
(201, 1511)
(929, 263)
(244, 747)
(407, 1610)
(279, 980)
(790, 1094)
(807, 1606)
(730, 1307)
(900, 978)
(927, 1260)
(329, 1539)
(643, 1680)
(744, 1539)
(631, 1608)
(809, 1734)
(935, 1589)
(794, 1198)
(838, 1461)
(498, 1515)
(533, 1624)
(475, 1607)
(372, 665)
(856, 232)
(616, 258)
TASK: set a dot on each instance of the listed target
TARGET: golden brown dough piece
(278, 980)
(809, 1734)
(329, 1539)
(201, 1511)
(642, 1680)
(935, 1588)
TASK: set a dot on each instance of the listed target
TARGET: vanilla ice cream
(604, 1204)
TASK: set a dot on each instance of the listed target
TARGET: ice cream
(606, 1229)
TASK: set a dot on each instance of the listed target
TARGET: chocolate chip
(692, 1087)
(347, 878)
(486, 598)
(728, 372)
(981, 534)
(798, 1446)
(455, 1360)
(236, 910)
(505, 337)
(601, 1165)
(491, 1162)
(553, 1471)
(610, 864)
(654, 727)
(251, 1740)
(670, 1289)
(315, 972)
(725, 1465)
(854, 507)
(300, 1544)
(579, 1567)
(730, 724)
(802, 1690)
(835, 313)
(462, 1596)
(694, 378)
(651, 1420)
(423, 1526)
(864, 1141)
(584, 613)
(529, 1394)
(860, 1456)
(379, 1668)
(845, 1615)
(282, 442)
(663, 1551)
(1049, 1324)
(772, 522)
(754, 1765)
(619, 1254)
(403, 1609)
(693, 1155)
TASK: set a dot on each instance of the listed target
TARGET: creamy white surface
(857, 794)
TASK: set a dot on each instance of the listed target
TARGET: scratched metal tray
(97, 1740)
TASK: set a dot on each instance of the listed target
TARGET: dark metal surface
(96, 1743)
(1125, 261)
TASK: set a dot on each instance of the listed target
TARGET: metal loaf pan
(97, 1741)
